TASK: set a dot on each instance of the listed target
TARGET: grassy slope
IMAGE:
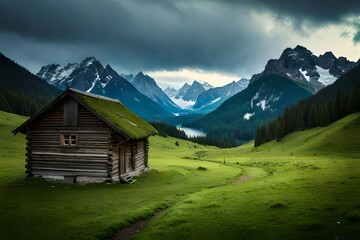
(305, 187)
(12, 149)
(34, 209)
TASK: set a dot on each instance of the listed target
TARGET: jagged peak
(69, 65)
(51, 66)
(328, 55)
(141, 74)
(91, 58)
(196, 82)
(141, 77)
(109, 68)
(299, 47)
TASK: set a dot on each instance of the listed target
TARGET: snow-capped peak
(88, 61)
(206, 85)
(301, 65)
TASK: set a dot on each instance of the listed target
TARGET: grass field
(305, 187)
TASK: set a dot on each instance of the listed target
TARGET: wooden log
(69, 159)
(68, 173)
(68, 169)
(69, 166)
(70, 154)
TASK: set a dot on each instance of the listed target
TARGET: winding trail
(250, 173)
(135, 228)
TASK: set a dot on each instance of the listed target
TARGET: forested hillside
(22, 92)
(328, 105)
(237, 119)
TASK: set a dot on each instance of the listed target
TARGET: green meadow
(304, 187)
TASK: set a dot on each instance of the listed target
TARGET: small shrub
(202, 168)
(177, 143)
(200, 154)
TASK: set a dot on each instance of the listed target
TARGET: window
(68, 139)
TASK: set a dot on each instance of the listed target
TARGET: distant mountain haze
(147, 86)
(211, 99)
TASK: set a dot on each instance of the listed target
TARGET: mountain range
(311, 71)
(211, 99)
(91, 76)
(328, 105)
(147, 86)
(296, 75)
(233, 112)
(201, 97)
(238, 117)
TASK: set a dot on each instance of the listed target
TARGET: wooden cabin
(82, 137)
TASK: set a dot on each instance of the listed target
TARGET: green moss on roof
(119, 116)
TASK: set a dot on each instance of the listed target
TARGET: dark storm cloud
(320, 11)
(148, 34)
(309, 13)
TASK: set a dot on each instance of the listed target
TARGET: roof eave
(27, 122)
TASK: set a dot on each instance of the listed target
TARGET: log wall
(46, 155)
(123, 156)
(99, 150)
(141, 155)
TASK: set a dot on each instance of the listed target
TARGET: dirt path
(243, 179)
(135, 228)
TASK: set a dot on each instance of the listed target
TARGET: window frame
(69, 139)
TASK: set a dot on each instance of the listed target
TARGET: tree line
(21, 92)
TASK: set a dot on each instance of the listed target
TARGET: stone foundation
(87, 180)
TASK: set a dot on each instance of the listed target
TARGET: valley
(190, 132)
(173, 119)
(304, 186)
(232, 112)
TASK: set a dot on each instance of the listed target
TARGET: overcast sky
(176, 41)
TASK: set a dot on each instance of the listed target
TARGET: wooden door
(122, 162)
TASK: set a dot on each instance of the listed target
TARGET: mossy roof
(117, 116)
(109, 110)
